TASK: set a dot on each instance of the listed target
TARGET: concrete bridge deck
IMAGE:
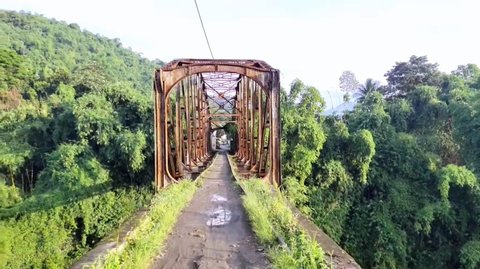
(213, 231)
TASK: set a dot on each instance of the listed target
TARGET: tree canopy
(405, 76)
(396, 180)
(75, 122)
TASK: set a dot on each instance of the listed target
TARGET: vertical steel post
(178, 135)
(251, 112)
(159, 117)
(275, 135)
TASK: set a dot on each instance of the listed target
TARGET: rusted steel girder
(193, 97)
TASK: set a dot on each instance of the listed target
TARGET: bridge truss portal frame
(183, 118)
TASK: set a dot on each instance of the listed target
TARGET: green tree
(96, 120)
(72, 169)
(404, 77)
(369, 87)
(9, 195)
(400, 112)
(468, 73)
(429, 110)
(370, 114)
(13, 70)
(470, 255)
(302, 135)
(466, 122)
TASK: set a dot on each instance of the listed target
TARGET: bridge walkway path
(213, 231)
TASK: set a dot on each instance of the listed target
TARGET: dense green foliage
(396, 180)
(75, 122)
(52, 237)
(302, 137)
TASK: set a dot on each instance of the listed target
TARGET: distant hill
(340, 109)
(52, 48)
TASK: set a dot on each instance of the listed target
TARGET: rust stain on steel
(193, 97)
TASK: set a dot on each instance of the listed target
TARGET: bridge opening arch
(195, 97)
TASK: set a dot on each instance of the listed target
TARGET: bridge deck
(213, 232)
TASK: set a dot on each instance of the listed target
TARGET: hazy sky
(312, 40)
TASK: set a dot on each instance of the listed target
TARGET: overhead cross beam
(194, 97)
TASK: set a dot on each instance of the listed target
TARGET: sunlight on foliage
(470, 255)
(455, 175)
(271, 218)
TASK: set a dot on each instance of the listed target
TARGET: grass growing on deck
(149, 237)
(271, 220)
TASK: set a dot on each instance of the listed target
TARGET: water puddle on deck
(220, 215)
(218, 198)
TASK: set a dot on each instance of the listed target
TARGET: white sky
(312, 40)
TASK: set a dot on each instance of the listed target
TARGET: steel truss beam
(193, 97)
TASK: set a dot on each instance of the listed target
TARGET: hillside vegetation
(75, 125)
(396, 181)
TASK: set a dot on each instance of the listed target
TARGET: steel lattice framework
(194, 97)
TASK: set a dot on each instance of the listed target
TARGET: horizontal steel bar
(225, 115)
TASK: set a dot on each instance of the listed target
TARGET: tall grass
(276, 227)
(149, 237)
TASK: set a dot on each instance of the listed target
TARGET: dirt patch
(213, 231)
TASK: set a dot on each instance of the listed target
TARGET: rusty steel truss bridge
(194, 97)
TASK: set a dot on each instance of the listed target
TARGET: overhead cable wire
(203, 27)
